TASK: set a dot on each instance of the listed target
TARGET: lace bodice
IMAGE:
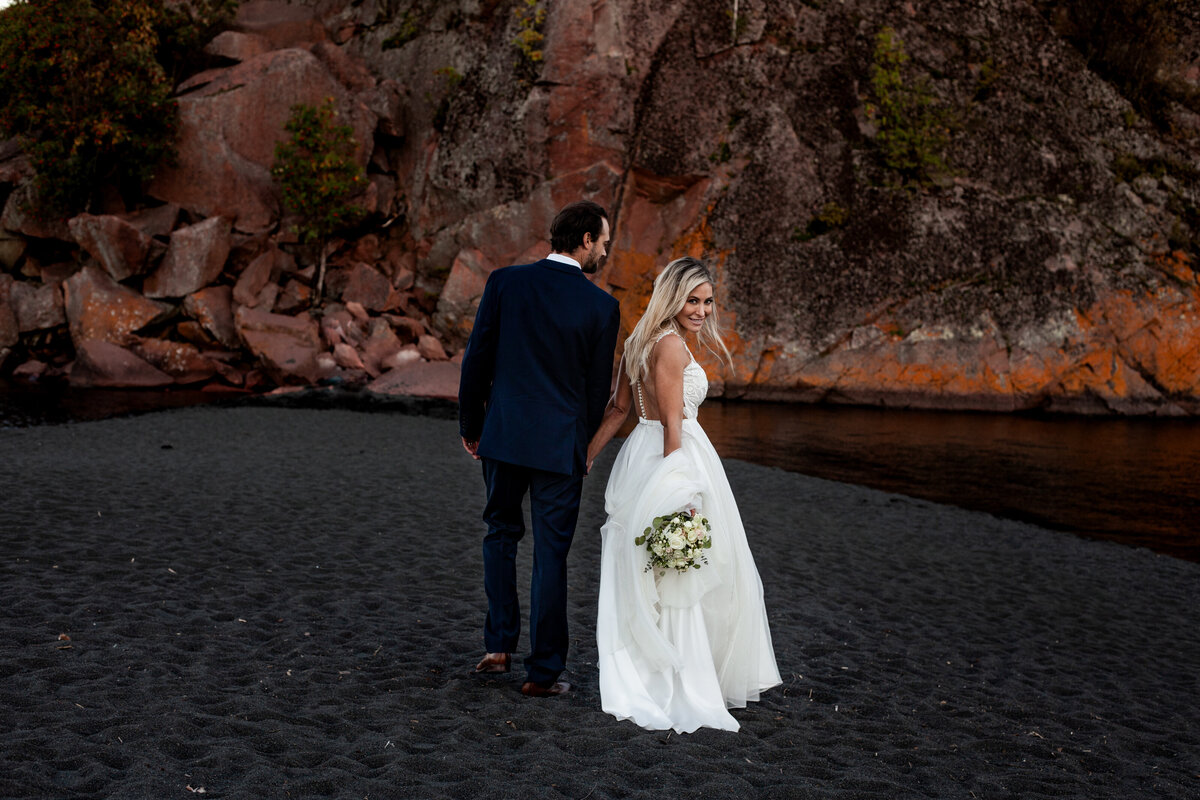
(695, 388)
(695, 384)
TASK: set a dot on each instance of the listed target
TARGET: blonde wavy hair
(671, 290)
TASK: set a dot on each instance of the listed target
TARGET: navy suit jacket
(537, 371)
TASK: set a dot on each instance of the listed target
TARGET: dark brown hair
(568, 228)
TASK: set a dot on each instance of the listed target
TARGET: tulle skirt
(678, 650)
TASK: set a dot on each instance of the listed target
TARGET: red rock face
(183, 362)
(100, 363)
(1033, 273)
(194, 259)
(281, 23)
(255, 277)
(37, 306)
(422, 379)
(286, 346)
(993, 291)
(230, 121)
(365, 286)
(100, 309)
(213, 309)
(9, 330)
(119, 247)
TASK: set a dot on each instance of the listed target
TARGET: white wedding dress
(678, 651)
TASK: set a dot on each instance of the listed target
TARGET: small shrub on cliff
(82, 89)
(913, 128)
(530, 18)
(318, 174)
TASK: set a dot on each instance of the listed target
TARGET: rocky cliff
(1043, 258)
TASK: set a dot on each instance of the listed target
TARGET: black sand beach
(273, 603)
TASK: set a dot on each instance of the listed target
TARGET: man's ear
(586, 237)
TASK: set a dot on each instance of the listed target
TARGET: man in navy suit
(536, 376)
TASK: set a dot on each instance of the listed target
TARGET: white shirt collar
(564, 259)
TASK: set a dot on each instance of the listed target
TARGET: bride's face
(696, 308)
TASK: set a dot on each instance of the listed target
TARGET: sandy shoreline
(273, 602)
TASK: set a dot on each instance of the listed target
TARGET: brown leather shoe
(531, 689)
(495, 662)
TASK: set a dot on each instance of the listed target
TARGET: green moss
(409, 28)
(453, 76)
(722, 154)
(1126, 167)
(831, 217)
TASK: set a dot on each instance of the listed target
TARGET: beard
(592, 264)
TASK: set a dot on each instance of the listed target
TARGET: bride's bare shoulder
(670, 351)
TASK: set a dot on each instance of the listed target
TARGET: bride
(677, 649)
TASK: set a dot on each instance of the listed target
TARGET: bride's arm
(670, 359)
(614, 415)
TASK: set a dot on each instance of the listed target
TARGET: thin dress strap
(638, 383)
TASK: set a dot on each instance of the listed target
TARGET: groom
(535, 379)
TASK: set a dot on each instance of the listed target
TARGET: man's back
(540, 361)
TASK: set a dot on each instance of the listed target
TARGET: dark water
(1136, 481)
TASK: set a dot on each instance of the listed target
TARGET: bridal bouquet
(676, 541)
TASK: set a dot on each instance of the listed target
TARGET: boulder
(10, 331)
(368, 288)
(157, 222)
(349, 71)
(213, 309)
(460, 296)
(408, 328)
(255, 277)
(281, 23)
(431, 349)
(195, 333)
(52, 273)
(11, 249)
(183, 362)
(120, 248)
(406, 356)
(237, 46)
(19, 217)
(194, 259)
(37, 305)
(100, 309)
(100, 363)
(229, 123)
(380, 345)
(265, 300)
(437, 379)
(30, 370)
(347, 357)
(286, 346)
(295, 296)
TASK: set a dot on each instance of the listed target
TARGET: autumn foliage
(83, 87)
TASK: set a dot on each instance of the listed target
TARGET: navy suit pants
(554, 510)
